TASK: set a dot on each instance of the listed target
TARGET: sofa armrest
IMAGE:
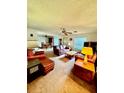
(93, 59)
(79, 57)
(90, 60)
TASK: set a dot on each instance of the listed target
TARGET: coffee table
(70, 54)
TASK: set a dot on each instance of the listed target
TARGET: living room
(58, 59)
(61, 47)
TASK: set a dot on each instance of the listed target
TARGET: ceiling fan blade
(64, 31)
(66, 34)
(69, 32)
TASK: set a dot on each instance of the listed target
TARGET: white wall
(38, 37)
(32, 41)
(35, 41)
(29, 38)
(88, 36)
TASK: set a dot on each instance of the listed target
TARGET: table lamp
(87, 51)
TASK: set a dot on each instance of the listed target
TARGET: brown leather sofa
(46, 64)
(33, 55)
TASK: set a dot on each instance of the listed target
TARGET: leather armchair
(91, 59)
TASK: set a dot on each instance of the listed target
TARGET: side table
(84, 71)
(33, 69)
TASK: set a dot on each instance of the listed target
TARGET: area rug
(65, 59)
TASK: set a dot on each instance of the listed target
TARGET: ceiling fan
(65, 32)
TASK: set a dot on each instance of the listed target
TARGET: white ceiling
(51, 15)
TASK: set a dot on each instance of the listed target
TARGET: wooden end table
(84, 71)
(33, 69)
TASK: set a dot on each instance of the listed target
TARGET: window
(56, 40)
(79, 43)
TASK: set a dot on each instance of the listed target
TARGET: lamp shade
(87, 50)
